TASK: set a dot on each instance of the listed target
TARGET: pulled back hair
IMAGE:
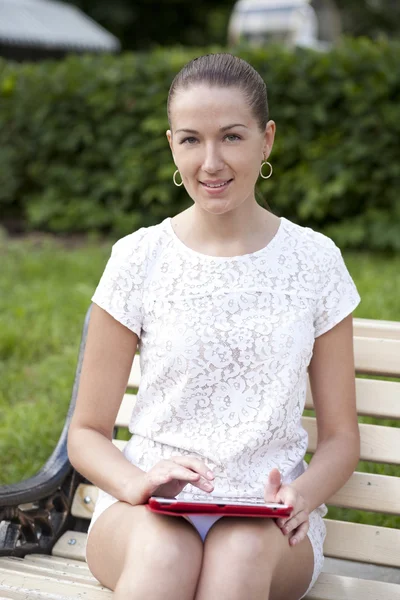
(224, 70)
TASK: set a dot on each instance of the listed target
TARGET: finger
(300, 533)
(272, 485)
(281, 522)
(196, 464)
(171, 470)
(186, 474)
(295, 522)
(287, 495)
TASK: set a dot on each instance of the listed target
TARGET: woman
(230, 306)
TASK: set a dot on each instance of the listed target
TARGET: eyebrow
(221, 128)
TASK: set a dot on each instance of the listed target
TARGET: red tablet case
(180, 507)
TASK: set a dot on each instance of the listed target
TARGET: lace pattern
(225, 343)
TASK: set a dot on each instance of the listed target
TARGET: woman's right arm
(109, 353)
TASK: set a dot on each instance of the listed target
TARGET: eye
(189, 140)
(233, 137)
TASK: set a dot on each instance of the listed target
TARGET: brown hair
(224, 70)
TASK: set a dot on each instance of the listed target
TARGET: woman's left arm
(332, 380)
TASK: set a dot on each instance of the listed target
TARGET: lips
(220, 183)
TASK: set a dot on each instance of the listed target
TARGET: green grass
(45, 290)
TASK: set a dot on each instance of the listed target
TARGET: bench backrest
(377, 354)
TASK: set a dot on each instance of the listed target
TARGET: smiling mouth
(216, 185)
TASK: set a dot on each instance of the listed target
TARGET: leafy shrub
(83, 146)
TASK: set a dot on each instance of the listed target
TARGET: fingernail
(210, 474)
(294, 541)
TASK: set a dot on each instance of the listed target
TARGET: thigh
(124, 536)
(293, 569)
(249, 545)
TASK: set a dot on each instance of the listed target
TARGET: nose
(213, 160)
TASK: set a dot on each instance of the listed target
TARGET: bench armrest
(33, 512)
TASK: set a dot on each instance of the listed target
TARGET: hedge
(83, 146)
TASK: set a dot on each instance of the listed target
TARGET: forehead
(204, 106)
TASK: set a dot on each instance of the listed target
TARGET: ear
(169, 137)
(269, 137)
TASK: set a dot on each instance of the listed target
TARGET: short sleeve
(337, 295)
(120, 289)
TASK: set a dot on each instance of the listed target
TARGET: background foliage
(83, 146)
(146, 23)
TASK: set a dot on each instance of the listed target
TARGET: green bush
(83, 146)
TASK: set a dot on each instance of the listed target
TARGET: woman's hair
(224, 70)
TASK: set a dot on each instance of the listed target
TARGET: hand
(295, 526)
(168, 477)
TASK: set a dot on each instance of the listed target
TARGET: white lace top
(225, 343)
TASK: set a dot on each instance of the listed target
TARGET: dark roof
(53, 25)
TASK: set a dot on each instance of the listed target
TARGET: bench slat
(337, 587)
(58, 562)
(353, 541)
(364, 491)
(135, 374)
(20, 565)
(376, 328)
(365, 543)
(125, 410)
(377, 356)
(372, 355)
(368, 491)
(378, 443)
(375, 398)
(27, 585)
(16, 586)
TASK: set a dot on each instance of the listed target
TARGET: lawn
(45, 290)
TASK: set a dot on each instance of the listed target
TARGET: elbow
(358, 450)
(70, 451)
(351, 441)
(73, 445)
(347, 445)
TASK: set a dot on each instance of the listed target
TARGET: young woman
(231, 307)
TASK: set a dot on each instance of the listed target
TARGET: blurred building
(311, 23)
(37, 29)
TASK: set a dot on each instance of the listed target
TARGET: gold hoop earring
(261, 173)
(177, 184)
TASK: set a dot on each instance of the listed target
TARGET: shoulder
(140, 243)
(313, 245)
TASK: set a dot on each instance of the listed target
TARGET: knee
(167, 549)
(172, 552)
(249, 545)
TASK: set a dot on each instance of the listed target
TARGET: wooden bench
(43, 520)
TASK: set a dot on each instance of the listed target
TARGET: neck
(245, 230)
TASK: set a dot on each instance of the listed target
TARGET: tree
(142, 24)
(370, 18)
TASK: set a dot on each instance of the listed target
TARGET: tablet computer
(233, 507)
